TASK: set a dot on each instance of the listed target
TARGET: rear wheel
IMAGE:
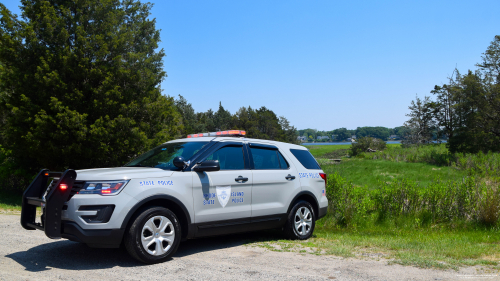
(301, 221)
(153, 236)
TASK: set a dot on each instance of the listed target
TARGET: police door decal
(223, 194)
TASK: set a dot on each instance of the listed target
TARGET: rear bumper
(97, 238)
(322, 212)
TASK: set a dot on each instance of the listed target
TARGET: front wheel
(153, 236)
(301, 221)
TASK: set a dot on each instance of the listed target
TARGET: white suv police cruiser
(204, 185)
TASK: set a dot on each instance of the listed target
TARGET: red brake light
(323, 176)
(63, 186)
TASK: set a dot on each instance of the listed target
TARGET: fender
(156, 197)
(304, 192)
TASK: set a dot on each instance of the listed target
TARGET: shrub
(367, 143)
(467, 199)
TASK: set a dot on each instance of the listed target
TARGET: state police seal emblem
(223, 194)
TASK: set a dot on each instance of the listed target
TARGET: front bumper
(96, 238)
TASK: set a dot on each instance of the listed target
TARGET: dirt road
(30, 255)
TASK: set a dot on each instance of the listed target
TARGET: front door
(226, 194)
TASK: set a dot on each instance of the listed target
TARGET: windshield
(162, 156)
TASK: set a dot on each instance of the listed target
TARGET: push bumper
(50, 200)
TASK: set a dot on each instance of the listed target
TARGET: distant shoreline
(340, 143)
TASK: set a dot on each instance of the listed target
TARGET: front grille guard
(50, 199)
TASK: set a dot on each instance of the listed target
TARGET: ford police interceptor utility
(204, 185)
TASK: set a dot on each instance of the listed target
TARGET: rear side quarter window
(306, 159)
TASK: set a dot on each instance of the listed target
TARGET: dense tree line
(466, 110)
(80, 88)
(342, 134)
(259, 123)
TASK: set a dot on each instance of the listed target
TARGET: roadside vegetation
(416, 206)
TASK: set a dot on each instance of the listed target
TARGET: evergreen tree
(80, 84)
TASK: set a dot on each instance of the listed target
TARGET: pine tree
(80, 84)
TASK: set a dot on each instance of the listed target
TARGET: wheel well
(166, 203)
(309, 198)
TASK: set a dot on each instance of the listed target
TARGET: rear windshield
(306, 159)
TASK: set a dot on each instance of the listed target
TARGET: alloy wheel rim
(303, 221)
(157, 235)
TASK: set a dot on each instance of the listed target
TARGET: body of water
(346, 143)
(339, 143)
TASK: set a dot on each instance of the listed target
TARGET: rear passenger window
(306, 159)
(230, 158)
(267, 159)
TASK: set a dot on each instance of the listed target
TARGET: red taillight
(63, 186)
(46, 174)
(323, 176)
(106, 191)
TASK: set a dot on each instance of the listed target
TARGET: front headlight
(103, 187)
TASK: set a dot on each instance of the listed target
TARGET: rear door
(275, 181)
(225, 194)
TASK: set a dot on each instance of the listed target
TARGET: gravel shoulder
(30, 255)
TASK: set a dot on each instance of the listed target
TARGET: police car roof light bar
(230, 133)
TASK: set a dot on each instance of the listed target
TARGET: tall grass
(479, 165)
(467, 200)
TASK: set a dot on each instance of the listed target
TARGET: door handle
(240, 178)
(290, 177)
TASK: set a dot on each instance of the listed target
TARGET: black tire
(289, 228)
(133, 235)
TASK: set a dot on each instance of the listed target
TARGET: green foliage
(80, 84)
(366, 144)
(421, 125)
(342, 134)
(466, 199)
(466, 110)
(375, 132)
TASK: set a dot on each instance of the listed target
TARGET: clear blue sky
(321, 64)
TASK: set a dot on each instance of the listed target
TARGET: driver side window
(230, 158)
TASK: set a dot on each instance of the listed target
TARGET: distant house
(353, 137)
(302, 138)
(334, 137)
(322, 137)
(393, 137)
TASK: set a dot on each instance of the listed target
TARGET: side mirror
(207, 166)
(179, 162)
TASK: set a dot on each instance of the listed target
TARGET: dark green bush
(367, 144)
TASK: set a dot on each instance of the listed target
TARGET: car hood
(121, 173)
